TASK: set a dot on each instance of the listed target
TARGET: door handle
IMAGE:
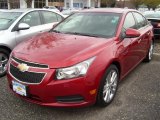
(148, 33)
(139, 40)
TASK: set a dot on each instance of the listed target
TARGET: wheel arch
(118, 65)
(6, 48)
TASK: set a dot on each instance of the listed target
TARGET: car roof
(112, 10)
(26, 10)
(32, 9)
(148, 12)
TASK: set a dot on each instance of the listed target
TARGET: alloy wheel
(3, 63)
(110, 86)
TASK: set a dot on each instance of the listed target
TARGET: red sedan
(82, 59)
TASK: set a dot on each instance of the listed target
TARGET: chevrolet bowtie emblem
(23, 67)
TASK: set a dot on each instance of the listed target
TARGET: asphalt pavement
(138, 98)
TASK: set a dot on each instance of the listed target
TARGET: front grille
(27, 77)
(29, 63)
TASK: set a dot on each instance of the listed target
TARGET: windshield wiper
(56, 31)
(75, 33)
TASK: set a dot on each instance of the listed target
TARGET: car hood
(2, 32)
(59, 50)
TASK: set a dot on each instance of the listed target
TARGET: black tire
(6, 53)
(149, 55)
(100, 96)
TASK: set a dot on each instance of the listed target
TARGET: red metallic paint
(62, 50)
(130, 32)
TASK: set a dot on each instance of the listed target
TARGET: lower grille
(75, 98)
(27, 77)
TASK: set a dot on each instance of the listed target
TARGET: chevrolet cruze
(82, 59)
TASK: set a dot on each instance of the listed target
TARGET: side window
(59, 18)
(129, 21)
(145, 21)
(32, 19)
(49, 17)
(140, 20)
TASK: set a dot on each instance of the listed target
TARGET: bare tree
(109, 3)
(152, 3)
(136, 3)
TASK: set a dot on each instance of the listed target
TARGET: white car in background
(68, 11)
(52, 8)
(18, 25)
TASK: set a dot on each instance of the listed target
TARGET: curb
(156, 56)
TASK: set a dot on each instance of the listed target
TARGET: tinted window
(49, 17)
(129, 21)
(140, 20)
(31, 19)
(90, 24)
(59, 18)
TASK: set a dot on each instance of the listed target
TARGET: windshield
(152, 15)
(90, 24)
(7, 18)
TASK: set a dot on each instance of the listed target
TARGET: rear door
(34, 21)
(129, 47)
(145, 29)
(49, 19)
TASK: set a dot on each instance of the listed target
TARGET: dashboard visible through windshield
(90, 24)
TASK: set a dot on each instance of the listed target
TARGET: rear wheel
(108, 86)
(150, 53)
(4, 56)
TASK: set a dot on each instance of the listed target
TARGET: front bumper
(75, 92)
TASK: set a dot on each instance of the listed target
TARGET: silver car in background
(21, 24)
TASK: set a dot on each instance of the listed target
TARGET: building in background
(12, 4)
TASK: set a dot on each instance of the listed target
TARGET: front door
(34, 21)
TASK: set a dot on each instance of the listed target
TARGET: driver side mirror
(132, 33)
(23, 26)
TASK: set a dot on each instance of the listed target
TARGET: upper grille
(29, 63)
(27, 77)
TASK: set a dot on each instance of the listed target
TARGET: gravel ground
(157, 47)
(138, 98)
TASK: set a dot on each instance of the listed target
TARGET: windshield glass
(90, 24)
(7, 18)
(152, 15)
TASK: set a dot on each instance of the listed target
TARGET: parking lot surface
(138, 98)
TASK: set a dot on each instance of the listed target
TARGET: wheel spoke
(113, 78)
(107, 96)
(3, 63)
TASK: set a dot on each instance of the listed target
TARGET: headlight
(74, 71)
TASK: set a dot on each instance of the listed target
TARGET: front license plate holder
(19, 88)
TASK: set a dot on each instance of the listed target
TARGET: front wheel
(108, 86)
(4, 56)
